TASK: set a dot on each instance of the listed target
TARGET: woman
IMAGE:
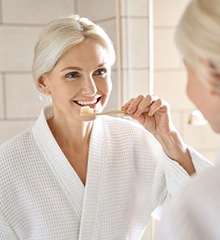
(87, 177)
(195, 213)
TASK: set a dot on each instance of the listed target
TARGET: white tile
(9, 129)
(29, 11)
(97, 10)
(134, 8)
(1, 98)
(17, 47)
(166, 55)
(22, 97)
(167, 13)
(135, 43)
(171, 86)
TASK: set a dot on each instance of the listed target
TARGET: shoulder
(201, 189)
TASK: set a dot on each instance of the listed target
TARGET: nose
(89, 87)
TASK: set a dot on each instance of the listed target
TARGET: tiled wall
(170, 78)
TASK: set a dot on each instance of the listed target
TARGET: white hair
(61, 34)
(198, 40)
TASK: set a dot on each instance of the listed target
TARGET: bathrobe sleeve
(176, 176)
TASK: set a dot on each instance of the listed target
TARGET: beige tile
(171, 86)
(9, 129)
(135, 43)
(17, 47)
(26, 11)
(97, 10)
(109, 27)
(167, 13)
(22, 99)
(166, 55)
(1, 98)
(134, 8)
(199, 137)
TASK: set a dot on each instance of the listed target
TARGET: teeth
(87, 102)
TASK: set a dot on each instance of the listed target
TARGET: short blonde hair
(198, 40)
(61, 34)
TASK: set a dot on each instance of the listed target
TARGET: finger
(134, 104)
(127, 104)
(145, 104)
(159, 104)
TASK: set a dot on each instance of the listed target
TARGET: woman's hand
(152, 112)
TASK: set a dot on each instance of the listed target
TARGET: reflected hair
(198, 40)
(60, 35)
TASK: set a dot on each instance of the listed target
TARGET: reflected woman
(86, 177)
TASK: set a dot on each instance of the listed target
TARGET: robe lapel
(93, 183)
(63, 171)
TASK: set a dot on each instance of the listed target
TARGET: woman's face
(206, 100)
(81, 77)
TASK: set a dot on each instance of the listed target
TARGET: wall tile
(200, 137)
(167, 13)
(134, 8)
(135, 43)
(26, 11)
(171, 86)
(165, 53)
(135, 82)
(97, 10)
(17, 47)
(1, 98)
(210, 155)
(109, 27)
(9, 129)
(22, 99)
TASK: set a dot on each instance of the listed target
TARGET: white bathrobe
(42, 197)
(194, 213)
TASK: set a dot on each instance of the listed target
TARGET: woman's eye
(100, 72)
(72, 75)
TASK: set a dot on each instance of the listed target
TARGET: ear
(42, 85)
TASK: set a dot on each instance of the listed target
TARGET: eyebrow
(80, 69)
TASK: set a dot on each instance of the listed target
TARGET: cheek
(106, 86)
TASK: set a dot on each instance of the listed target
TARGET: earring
(47, 99)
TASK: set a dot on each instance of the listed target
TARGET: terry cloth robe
(194, 213)
(128, 176)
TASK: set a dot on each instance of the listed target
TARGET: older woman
(76, 176)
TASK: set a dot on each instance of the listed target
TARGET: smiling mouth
(87, 103)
